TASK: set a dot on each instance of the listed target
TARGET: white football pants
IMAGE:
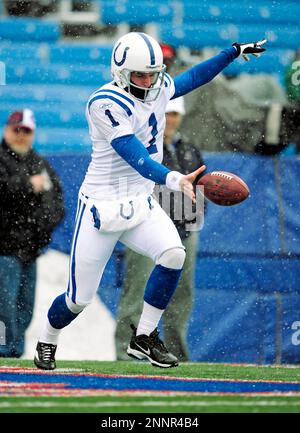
(91, 249)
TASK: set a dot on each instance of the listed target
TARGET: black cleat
(45, 356)
(151, 348)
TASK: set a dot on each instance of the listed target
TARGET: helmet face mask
(138, 53)
(144, 94)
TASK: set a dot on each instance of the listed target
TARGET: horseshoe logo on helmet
(123, 57)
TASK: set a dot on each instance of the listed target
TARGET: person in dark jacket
(31, 206)
(181, 156)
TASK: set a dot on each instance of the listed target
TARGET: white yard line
(50, 404)
(9, 368)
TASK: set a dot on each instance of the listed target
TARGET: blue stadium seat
(51, 95)
(56, 52)
(48, 63)
(67, 74)
(29, 29)
(236, 12)
(201, 35)
(91, 54)
(132, 12)
(23, 52)
(49, 79)
(274, 62)
(62, 140)
(57, 132)
(194, 11)
(58, 117)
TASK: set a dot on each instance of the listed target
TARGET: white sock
(49, 334)
(149, 319)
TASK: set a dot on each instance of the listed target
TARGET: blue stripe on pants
(73, 261)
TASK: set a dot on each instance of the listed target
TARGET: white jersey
(111, 113)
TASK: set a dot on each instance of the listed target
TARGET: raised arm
(204, 72)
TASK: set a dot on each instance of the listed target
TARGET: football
(224, 188)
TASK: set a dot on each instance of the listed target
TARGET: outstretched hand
(186, 182)
(253, 48)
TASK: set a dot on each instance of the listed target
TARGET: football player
(126, 119)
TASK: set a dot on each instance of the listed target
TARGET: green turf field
(154, 403)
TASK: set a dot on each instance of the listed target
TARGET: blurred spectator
(181, 156)
(32, 8)
(169, 54)
(290, 129)
(31, 207)
(292, 80)
(282, 125)
(39, 8)
(237, 114)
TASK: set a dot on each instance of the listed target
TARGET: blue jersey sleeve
(203, 72)
(136, 155)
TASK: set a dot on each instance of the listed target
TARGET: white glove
(253, 48)
(173, 180)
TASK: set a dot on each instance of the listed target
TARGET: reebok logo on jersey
(105, 105)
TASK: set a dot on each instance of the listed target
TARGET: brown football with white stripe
(224, 188)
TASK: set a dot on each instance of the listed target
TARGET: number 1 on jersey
(153, 123)
(114, 122)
